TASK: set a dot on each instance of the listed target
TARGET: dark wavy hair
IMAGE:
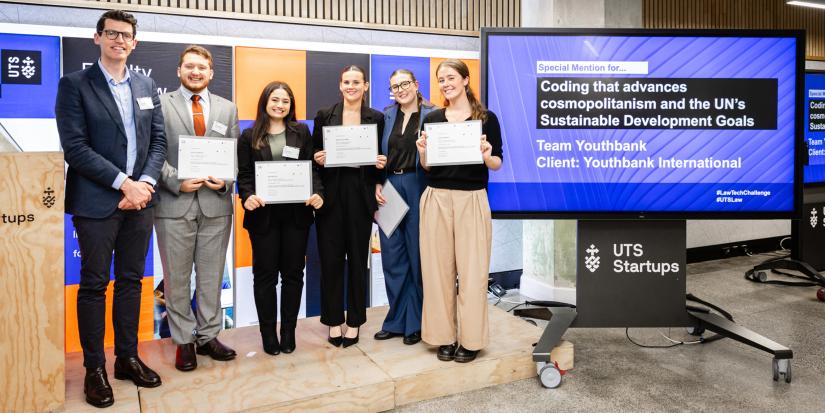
(261, 125)
(117, 15)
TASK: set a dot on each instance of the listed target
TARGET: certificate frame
(371, 139)
(306, 166)
(183, 167)
(438, 129)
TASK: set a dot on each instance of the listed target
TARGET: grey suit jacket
(173, 203)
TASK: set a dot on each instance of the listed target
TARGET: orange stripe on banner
(256, 67)
(475, 79)
(146, 327)
(243, 247)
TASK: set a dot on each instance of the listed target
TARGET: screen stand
(633, 274)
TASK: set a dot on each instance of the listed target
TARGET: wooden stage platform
(370, 376)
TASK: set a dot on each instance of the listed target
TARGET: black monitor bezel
(799, 35)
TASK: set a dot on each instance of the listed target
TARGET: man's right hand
(191, 185)
(137, 193)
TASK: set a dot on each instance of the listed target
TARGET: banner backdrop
(156, 60)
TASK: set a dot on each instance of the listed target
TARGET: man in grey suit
(193, 220)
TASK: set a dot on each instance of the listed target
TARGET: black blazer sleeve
(306, 154)
(246, 166)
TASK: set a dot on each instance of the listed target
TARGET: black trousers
(127, 233)
(280, 249)
(343, 236)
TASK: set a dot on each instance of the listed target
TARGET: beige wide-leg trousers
(455, 240)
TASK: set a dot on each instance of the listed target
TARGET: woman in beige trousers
(456, 228)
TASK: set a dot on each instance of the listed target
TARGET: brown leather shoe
(131, 368)
(185, 359)
(215, 349)
(97, 388)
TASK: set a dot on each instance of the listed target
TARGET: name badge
(145, 103)
(291, 152)
(219, 127)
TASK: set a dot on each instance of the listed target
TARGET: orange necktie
(197, 116)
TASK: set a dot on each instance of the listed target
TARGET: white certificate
(392, 212)
(281, 182)
(353, 145)
(200, 157)
(453, 143)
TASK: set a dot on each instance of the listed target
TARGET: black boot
(270, 340)
(287, 339)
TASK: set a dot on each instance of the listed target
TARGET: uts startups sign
(631, 274)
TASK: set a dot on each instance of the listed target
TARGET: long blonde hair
(478, 110)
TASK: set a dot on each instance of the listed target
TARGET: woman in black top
(345, 222)
(278, 232)
(456, 227)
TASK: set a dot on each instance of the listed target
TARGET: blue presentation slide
(815, 127)
(643, 123)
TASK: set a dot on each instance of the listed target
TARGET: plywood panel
(31, 286)
(419, 375)
(316, 377)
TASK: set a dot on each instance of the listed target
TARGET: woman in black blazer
(345, 222)
(278, 232)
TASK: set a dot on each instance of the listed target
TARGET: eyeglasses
(401, 86)
(113, 34)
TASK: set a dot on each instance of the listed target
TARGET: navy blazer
(390, 114)
(94, 139)
(333, 116)
(297, 136)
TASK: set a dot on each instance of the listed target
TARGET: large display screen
(815, 127)
(632, 123)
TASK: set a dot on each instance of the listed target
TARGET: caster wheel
(762, 276)
(820, 294)
(549, 376)
(782, 367)
(696, 331)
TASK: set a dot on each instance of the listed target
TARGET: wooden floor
(370, 376)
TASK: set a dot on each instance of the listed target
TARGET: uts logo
(21, 67)
(814, 218)
(48, 198)
(591, 261)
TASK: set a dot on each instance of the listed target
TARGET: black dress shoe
(335, 341)
(351, 341)
(270, 342)
(131, 368)
(462, 355)
(185, 359)
(413, 338)
(97, 388)
(288, 339)
(447, 353)
(385, 335)
(215, 349)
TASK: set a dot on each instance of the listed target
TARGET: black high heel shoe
(335, 341)
(350, 341)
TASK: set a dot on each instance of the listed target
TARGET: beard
(194, 87)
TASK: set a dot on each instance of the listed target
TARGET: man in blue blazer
(111, 128)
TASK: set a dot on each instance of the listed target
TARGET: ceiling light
(819, 4)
